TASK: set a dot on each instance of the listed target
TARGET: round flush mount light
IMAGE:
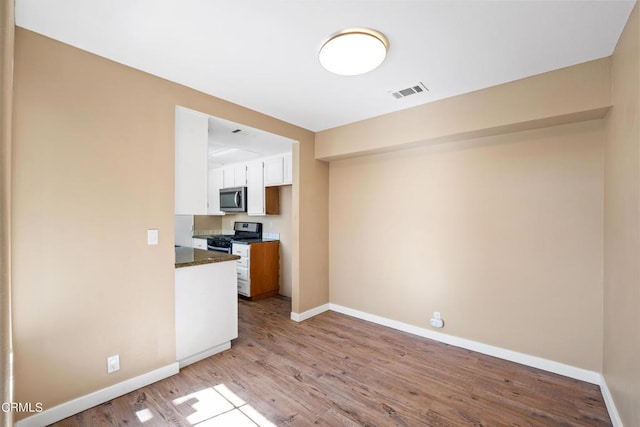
(354, 51)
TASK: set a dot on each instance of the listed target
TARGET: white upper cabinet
(288, 168)
(277, 170)
(215, 184)
(255, 188)
(240, 175)
(234, 176)
(228, 178)
(191, 169)
(274, 171)
(197, 189)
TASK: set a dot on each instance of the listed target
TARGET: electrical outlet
(436, 321)
(113, 364)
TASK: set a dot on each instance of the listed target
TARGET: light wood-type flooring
(334, 370)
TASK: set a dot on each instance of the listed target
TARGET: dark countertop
(249, 241)
(264, 239)
(186, 257)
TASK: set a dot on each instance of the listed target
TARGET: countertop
(186, 257)
(248, 241)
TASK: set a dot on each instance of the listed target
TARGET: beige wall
(622, 228)
(6, 89)
(503, 235)
(93, 170)
(577, 93)
(280, 224)
(313, 195)
(508, 182)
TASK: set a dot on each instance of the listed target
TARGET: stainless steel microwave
(233, 199)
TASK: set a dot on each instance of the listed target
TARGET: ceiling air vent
(403, 93)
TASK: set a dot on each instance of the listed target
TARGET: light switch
(152, 236)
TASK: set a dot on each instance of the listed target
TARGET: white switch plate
(113, 364)
(152, 236)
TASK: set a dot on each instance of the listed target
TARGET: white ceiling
(262, 54)
(231, 142)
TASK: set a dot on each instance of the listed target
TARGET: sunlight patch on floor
(144, 415)
(216, 406)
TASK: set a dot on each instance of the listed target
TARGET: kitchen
(233, 212)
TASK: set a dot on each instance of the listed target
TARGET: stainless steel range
(243, 231)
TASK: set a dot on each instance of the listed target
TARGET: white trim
(513, 356)
(204, 354)
(90, 400)
(299, 317)
(608, 401)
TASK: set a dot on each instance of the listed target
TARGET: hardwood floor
(334, 370)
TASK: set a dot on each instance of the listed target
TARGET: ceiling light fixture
(354, 51)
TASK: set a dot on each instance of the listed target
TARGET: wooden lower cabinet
(258, 269)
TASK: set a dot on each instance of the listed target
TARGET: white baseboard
(299, 317)
(513, 356)
(85, 402)
(204, 354)
(611, 406)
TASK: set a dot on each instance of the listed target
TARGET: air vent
(403, 93)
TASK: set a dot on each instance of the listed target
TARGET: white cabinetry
(183, 230)
(273, 171)
(206, 310)
(227, 178)
(215, 184)
(191, 162)
(277, 170)
(199, 243)
(255, 188)
(261, 177)
(234, 176)
(242, 268)
(240, 175)
(288, 168)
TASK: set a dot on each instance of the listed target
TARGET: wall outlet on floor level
(113, 364)
(436, 320)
